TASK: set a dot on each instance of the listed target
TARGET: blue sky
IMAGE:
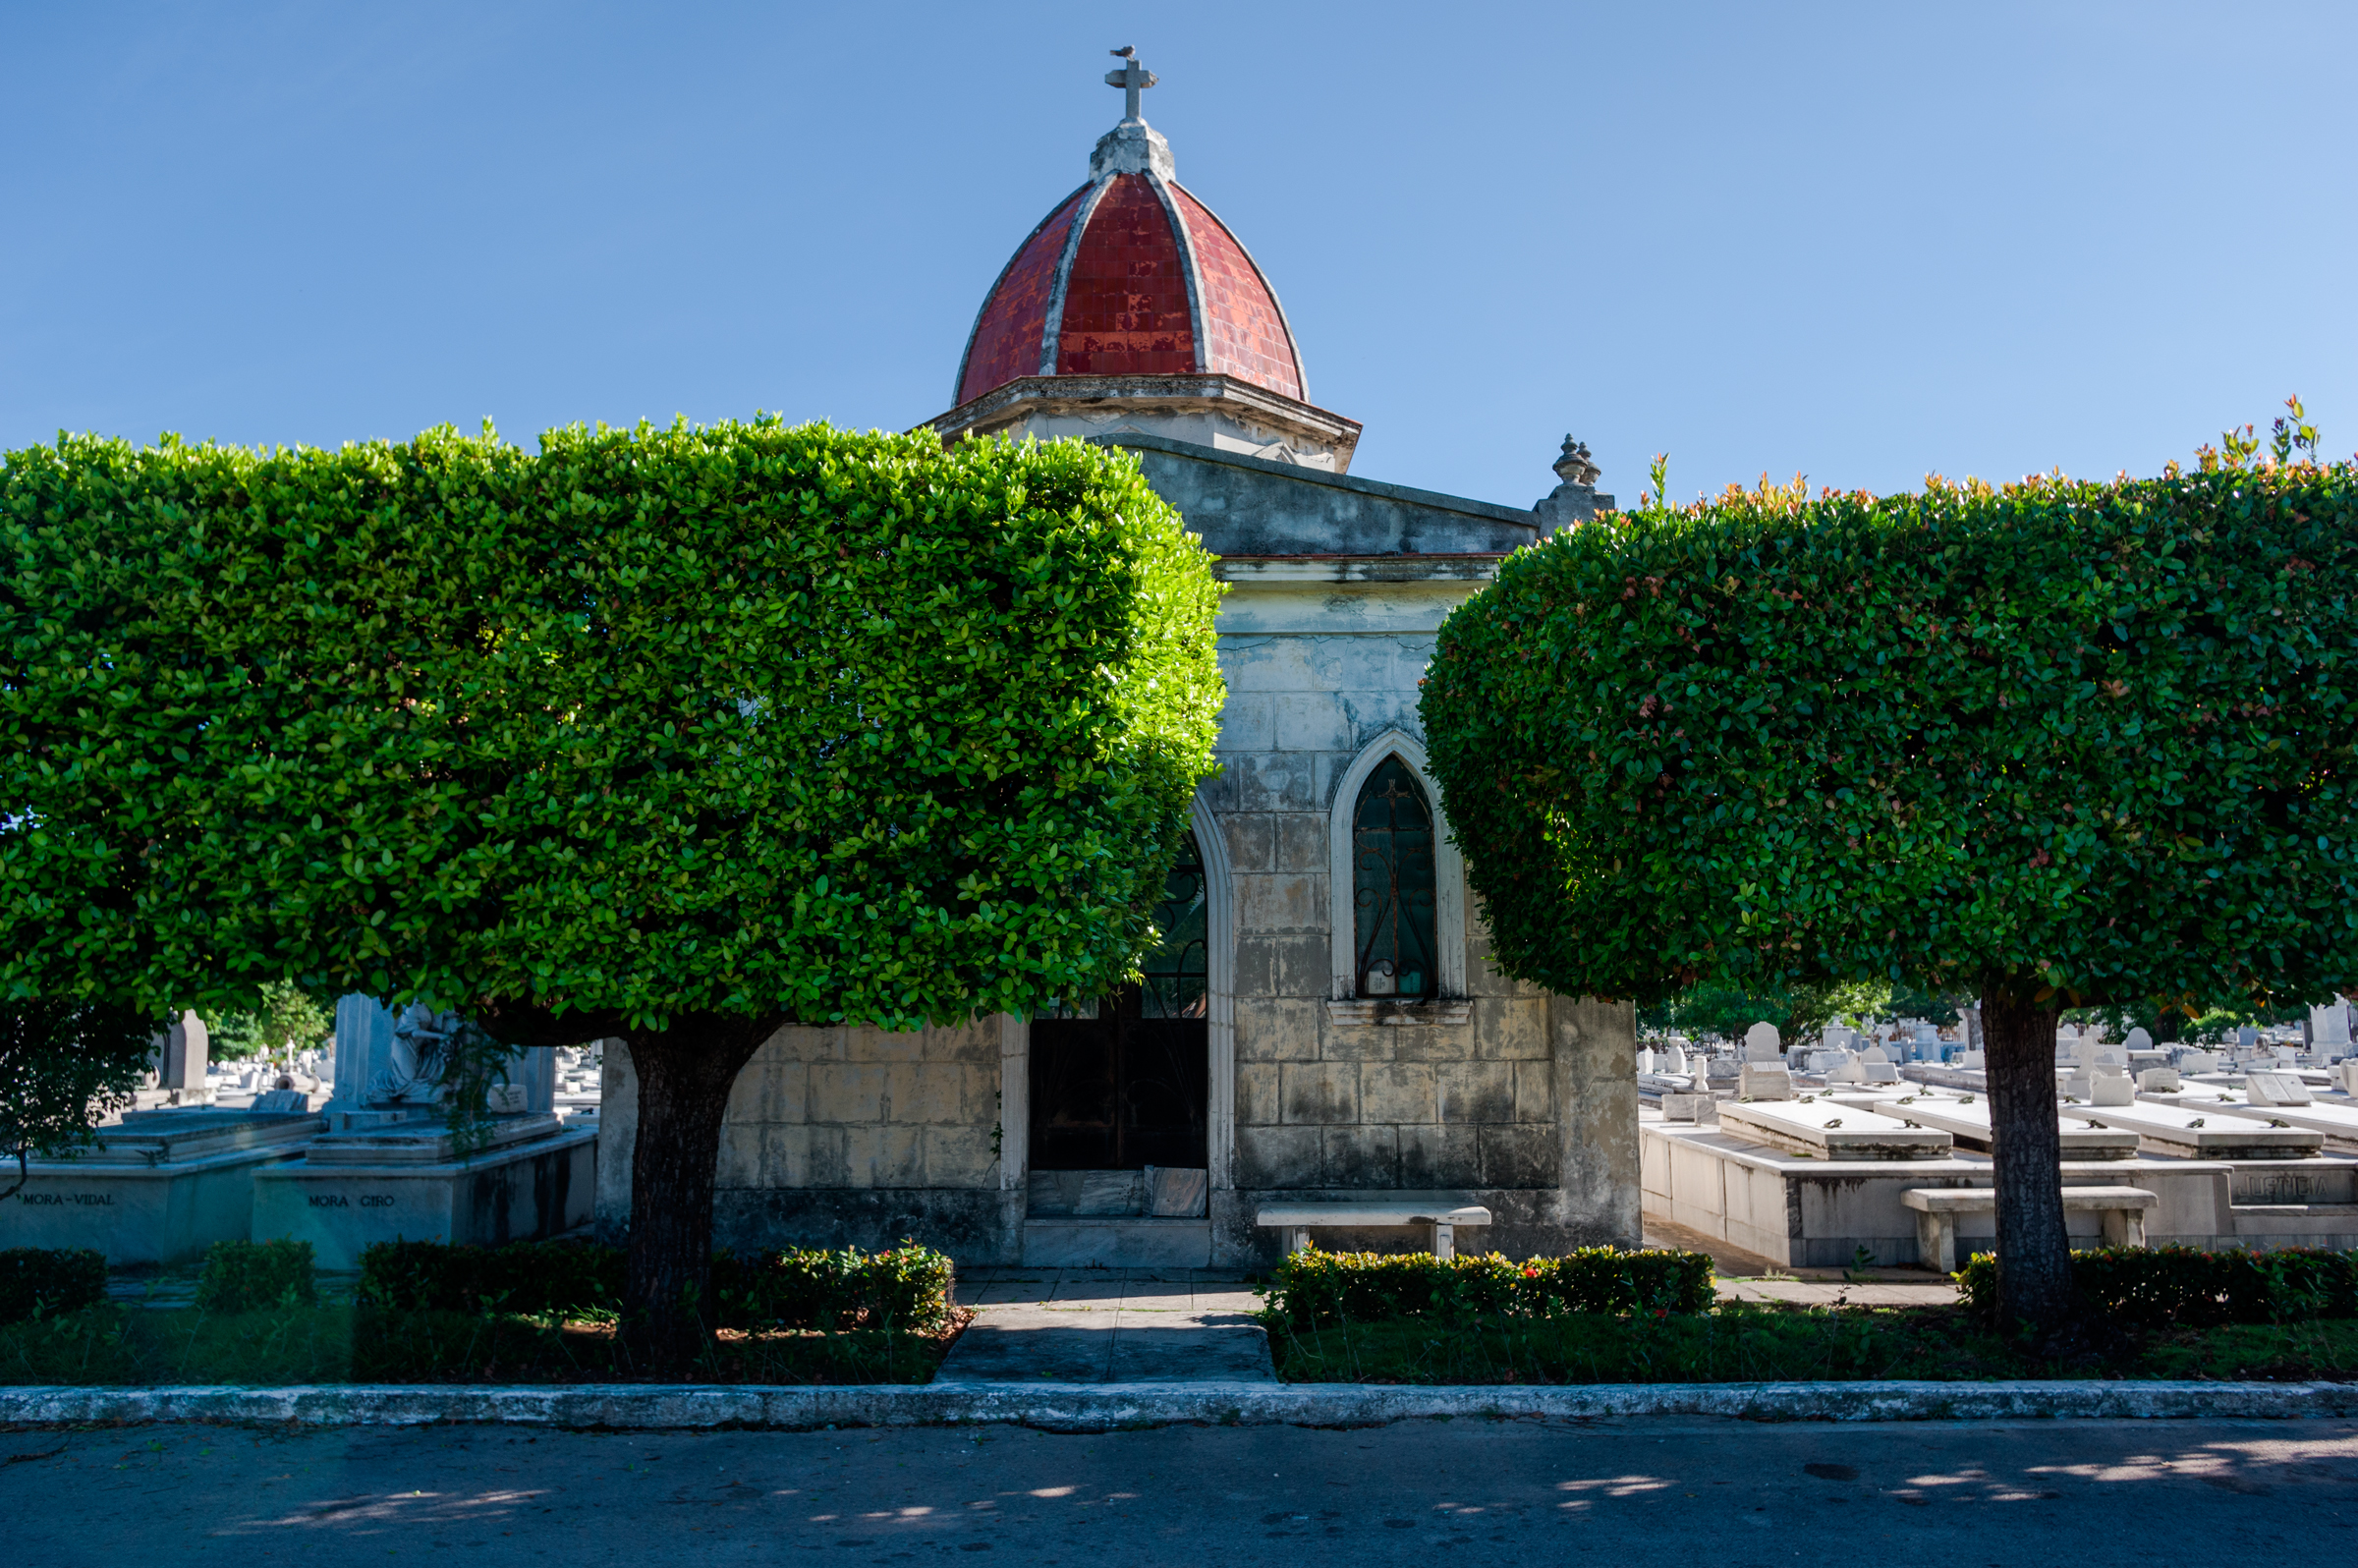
(1860, 242)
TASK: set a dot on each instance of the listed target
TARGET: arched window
(1178, 972)
(1393, 886)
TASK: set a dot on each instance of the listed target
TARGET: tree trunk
(685, 1075)
(2034, 1254)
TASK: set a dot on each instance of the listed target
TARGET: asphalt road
(1641, 1492)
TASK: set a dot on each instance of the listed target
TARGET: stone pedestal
(400, 1179)
(160, 1187)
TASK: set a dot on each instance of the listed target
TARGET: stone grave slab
(2205, 1133)
(1968, 1122)
(1823, 1129)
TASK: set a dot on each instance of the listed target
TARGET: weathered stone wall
(847, 1137)
(1527, 1104)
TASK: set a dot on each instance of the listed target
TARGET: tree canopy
(2054, 743)
(2095, 736)
(669, 734)
(652, 722)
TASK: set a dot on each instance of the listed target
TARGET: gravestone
(2277, 1088)
(1761, 1081)
(2247, 1038)
(2158, 1081)
(1677, 1062)
(1645, 1059)
(180, 1056)
(2139, 1040)
(1762, 1043)
(2111, 1089)
(2329, 1026)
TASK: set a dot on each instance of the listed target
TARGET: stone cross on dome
(1133, 79)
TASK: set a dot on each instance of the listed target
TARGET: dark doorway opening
(1124, 1084)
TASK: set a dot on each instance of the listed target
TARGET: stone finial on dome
(1133, 146)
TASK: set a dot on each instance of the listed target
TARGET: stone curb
(1098, 1407)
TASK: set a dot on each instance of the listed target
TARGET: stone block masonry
(844, 1137)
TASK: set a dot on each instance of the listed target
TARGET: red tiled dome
(1131, 275)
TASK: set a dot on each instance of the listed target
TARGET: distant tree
(673, 735)
(287, 1019)
(63, 1069)
(2051, 744)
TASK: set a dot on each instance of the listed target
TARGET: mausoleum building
(1321, 1024)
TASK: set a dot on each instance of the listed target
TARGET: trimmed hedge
(1313, 1288)
(2190, 1288)
(248, 1277)
(518, 1277)
(908, 1287)
(43, 1281)
(1943, 737)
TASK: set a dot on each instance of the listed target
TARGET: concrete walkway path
(1108, 1325)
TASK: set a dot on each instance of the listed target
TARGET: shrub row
(248, 1277)
(908, 1287)
(42, 1282)
(2188, 1287)
(1311, 1288)
(518, 1277)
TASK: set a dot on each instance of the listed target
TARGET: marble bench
(1297, 1221)
(1937, 1207)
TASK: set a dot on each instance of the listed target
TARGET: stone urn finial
(1574, 466)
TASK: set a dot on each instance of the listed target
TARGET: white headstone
(1676, 1061)
(2111, 1089)
(2198, 1061)
(1847, 1070)
(2139, 1040)
(364, 1048)
(1875, 1056)
(2083, 1051)
(1762, 1044)
(2277, 1088)
(1972, 1059)
(2349, 1077)
(2329, 1025)
(1645, 1058)
(2157, 1080)
(1760, 1082)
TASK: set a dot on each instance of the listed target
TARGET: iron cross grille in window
(1176, 970)
(1391, 855)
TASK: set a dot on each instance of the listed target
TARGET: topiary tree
(2059, 744)
(63, 1068)
(677, 735)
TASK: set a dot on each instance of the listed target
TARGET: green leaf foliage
(287, 1019)
(244, 1276)
(2193, 1288)
(1310, 1287)
(2097, 738)
(63, 1066)
(751, 720)
(41, 1281)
